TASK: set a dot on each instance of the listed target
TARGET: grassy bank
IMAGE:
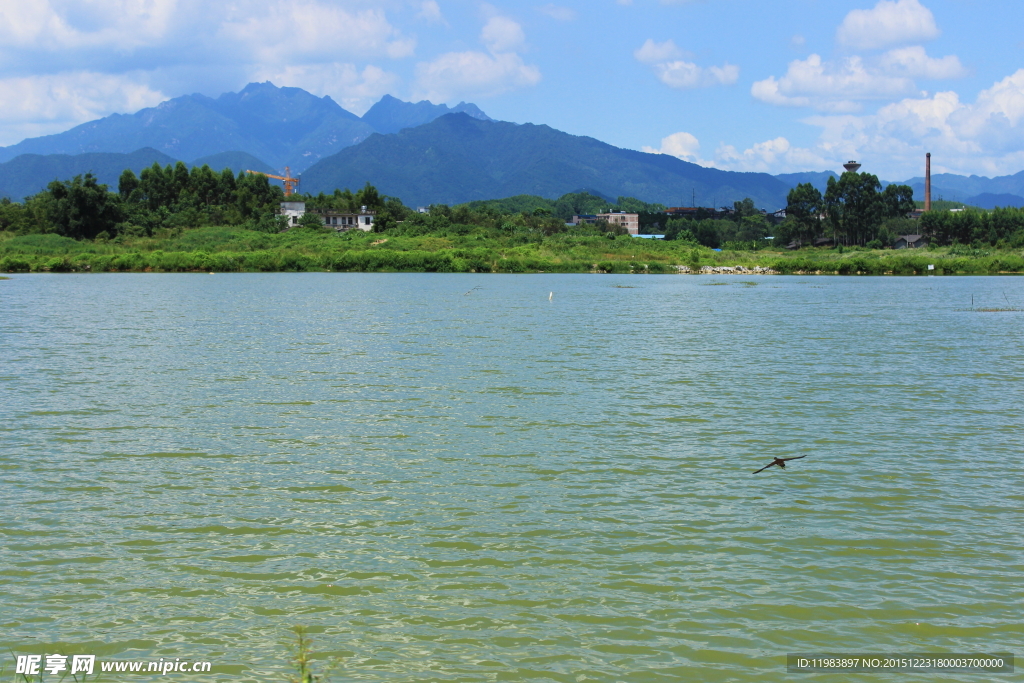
(460, 249)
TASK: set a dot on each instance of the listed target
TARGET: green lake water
(510, 478)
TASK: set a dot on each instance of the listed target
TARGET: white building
(349, 221)
(293, 211)
(341, 222)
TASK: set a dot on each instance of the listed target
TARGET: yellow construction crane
(289, 182)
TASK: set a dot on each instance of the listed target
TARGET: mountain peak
(391, 114)
(284, 126)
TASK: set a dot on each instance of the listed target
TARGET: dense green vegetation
(29, 173)
(518, 247)
(854, 211)
(173, 219)
(171, 197)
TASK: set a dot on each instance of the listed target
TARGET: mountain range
(456, 158)
(422, 152)
(281, 126)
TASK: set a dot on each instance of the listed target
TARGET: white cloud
(890, 22)
(501, 34)
(770, 156)
(651, 52)
(39, 105)
(914, 62)
(431, 11)
(353, 89)
(681, 74)
(840, 87)
(286, 31)
(187, 46)
(472, 74)
(983, 137)
(56, 25)
(682, 145)
(479, 74)
(558, 12)
(830, 87)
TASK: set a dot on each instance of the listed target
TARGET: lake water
(510, 478)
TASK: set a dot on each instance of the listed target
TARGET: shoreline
(228, 249)
(681, 270)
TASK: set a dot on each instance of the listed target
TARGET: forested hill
(457, 158)
(30, 173)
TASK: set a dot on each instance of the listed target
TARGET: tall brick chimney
(928, 181)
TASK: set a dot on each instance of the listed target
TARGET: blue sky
(780, 86)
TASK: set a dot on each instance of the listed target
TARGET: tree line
(854, 210)
(745, 227)
(160, 197)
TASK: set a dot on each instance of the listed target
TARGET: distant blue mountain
(281, 126)
(236, 161)
(818, 179)
(457, 158)
(391, 115)
(960, 188)
(987, 200)
(31, 173)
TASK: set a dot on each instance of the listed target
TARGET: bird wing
(765, 467)
(796, 458)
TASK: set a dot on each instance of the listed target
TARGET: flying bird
(781, 462)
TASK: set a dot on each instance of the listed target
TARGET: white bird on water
(550, 295)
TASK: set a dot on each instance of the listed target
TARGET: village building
(340, 221)
(910, 242)
(293, 211)
(349, 221)
(629, 221)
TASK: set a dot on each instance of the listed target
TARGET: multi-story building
(629, 221)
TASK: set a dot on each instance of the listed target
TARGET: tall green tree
(743, 209)
(898, 201)
(803, 209)
(82, 208)
(127, 183)
(202, 183)
(370, 198)
(854, 206)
